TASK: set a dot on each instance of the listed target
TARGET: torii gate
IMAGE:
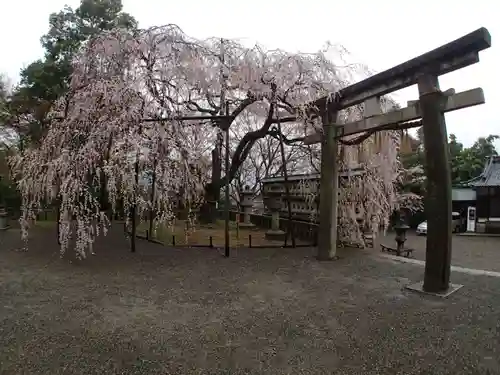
(431, 106)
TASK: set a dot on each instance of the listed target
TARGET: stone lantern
(275, 233)
(400, 230)
(246, 205)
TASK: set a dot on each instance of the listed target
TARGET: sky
(380, 34)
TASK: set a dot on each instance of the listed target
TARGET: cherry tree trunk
(208, 212)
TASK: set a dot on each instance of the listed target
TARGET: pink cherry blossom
(120, 81)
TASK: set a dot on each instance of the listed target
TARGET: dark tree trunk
(212, 191)
(208, 212)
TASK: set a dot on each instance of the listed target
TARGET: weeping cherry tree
(122, 116)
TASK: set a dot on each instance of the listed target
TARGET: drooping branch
(248, 141)
(167, 83)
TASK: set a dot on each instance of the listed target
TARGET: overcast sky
(379, 33)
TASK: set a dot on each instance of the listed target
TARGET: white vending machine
(471, 219)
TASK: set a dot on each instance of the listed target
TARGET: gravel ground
(191, 311)
(471, 252)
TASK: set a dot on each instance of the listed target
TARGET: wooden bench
(406, 252)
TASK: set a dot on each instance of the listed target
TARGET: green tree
(469, 162)
(413, 164)
(44, 80)
(9, 195)
(455, 149)
(3, 102)
(465, 162)
(4, 112)
(454, 146)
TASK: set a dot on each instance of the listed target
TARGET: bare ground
(471, 252)
(200, 234)
(262, 311)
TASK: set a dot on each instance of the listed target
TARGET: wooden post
(226, 200)
(3, 219)
(237, 226)
(152, 212)
(58, 220)
(133, 209)
(224, 109)
(329, 191)
(290, 230)
(438, 199)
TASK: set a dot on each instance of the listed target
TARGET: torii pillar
(438, 199)
(329, 187)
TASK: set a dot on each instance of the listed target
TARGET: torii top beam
(455, 55)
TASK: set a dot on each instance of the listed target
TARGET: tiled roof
(490, 175)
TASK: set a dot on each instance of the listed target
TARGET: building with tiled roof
(487, 187)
